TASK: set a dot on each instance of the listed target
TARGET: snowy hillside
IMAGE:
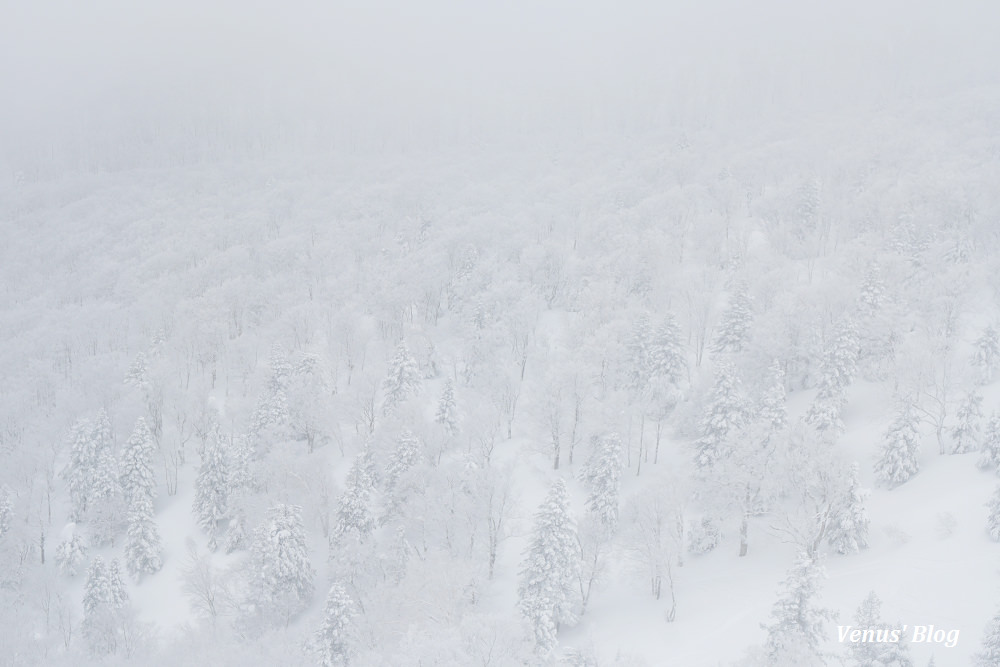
(520, 374)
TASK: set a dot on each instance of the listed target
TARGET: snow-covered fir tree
(447, 412)
(666, 358)
(71, 554)
(872, 292)
(727, 412)
(989, 455)
(281, 579)
(332, 642)
(993, 518)
(772, 412)
(602, 474)
(107, 504)
(639, 366)
(90, 451)
(986, 358)
(402, 380)
(6, 510)
(967, 433)
(211, 500)
(404, 456)
(136, 466)
(272, 410)
(734, 330)
(137, 376)
(849, 521)
(307, 395)
(798, 627)
(143, 549)
(989, 652)
(354, 512)
(549, 571)
(899, 458)
(837, 371)
(104, 599)
(879, 650)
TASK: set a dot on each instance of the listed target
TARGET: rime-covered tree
(899, 458)
(872, 292)
(986, 358)
(772, 412)
(354, 513)
(880, 651)
(404, 456)
(104, 599)
(549, 571)
(272, 408)
(332, 642)
(993, 518)
(798, 627)
(602, 475)
(143, 549)
(137, 375)
(136, 467)
(71, 554)
(726, 412)
(967, 433)
(402, 380)
(989, 455)
(211, 500)
(989, 654)
(849, 521)
(307, 393)
(733, 332)
(447, 412)
(837, 371)
(90, 462)
(6, 510)
(281, 575)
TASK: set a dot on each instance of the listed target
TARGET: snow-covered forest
(591, 334)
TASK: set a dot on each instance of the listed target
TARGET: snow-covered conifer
(872, 291)
(549, 572)
(880, 651)
(837, 371)
(993, 519)
(71, 554)
(772, 412)
(799, 626)
(86, 447)
(406, 454)
(142, 548)
(986, 358)
(137, 374)
(6, 510)
(734, 330)
(104, 599)
(899, 459)
(849, 521)
(332, 641)
(967, 433)
(281, 573)
(727, 411)
(989, 654)
(211, 500)
(447, 412)
(136, 468)
(602, 474)
(989, 455)
(402, 380)
(354, 513)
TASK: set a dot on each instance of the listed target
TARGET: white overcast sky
(68, 67)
